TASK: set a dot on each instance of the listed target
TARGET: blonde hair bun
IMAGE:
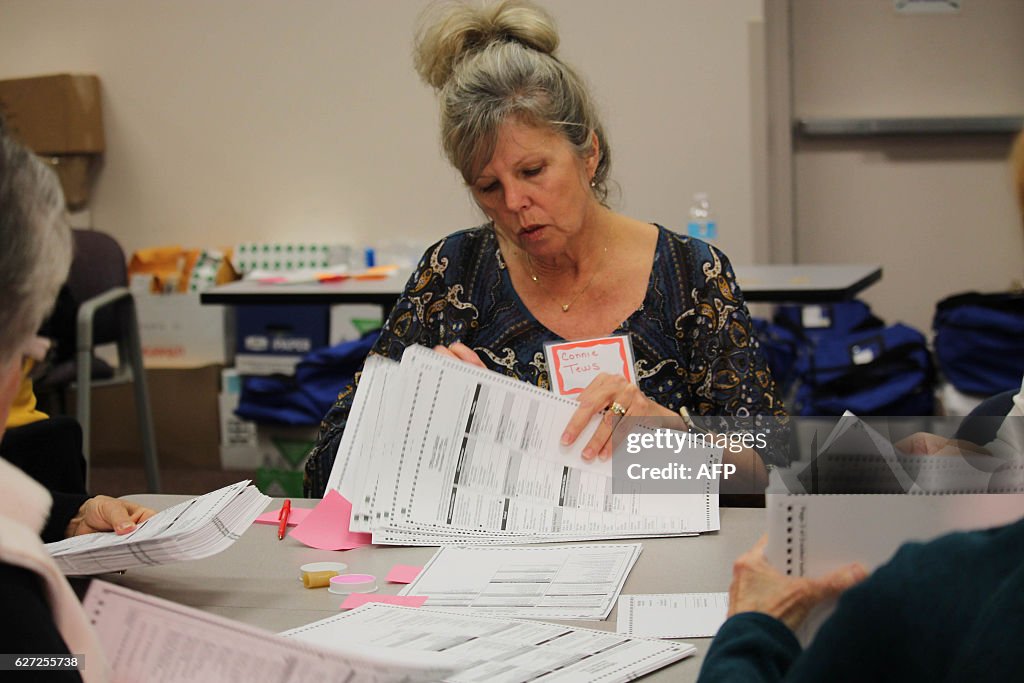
(450, 31)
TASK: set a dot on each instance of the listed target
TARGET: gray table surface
(256, 580)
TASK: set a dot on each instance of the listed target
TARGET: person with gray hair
(35, 255)
(554, 262)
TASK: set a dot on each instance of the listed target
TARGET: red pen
(283, 515)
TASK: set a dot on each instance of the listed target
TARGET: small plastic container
(345, 584)
(310, 567)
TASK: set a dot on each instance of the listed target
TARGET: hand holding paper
(757, 586)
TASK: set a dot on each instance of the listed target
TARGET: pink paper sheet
(326, 527)
(296, 516)
(403, 573)
(357, 599)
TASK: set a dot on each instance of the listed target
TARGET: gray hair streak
(35, 244)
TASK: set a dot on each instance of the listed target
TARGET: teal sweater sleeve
(750, 646)
(932, 613)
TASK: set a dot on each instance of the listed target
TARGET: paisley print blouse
(692, 337)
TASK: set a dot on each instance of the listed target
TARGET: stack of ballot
(196, 528)
(437, 451)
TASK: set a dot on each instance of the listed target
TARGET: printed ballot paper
(859, 519)
(196, 528)
(154, 640)
(438, 451)
(672, 615)
(497, 649)
(565, 582)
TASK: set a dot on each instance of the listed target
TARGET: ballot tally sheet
(438, 451)
(672, 615)
(564, 582)
(497, 649)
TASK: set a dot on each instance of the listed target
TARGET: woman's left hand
(103, 513)
(460, 351)
(618, 398)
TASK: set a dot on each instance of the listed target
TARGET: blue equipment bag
(885, 371)
(813, 322)
(979, 341)
(305, 398)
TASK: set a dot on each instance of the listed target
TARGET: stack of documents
(149, 639)
(565, 582)
(437, 451)
(496, 649)
(197, 528)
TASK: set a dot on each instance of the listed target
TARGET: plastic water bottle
(702, 221)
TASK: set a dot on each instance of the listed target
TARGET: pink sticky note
(296, 516)
(357, 599)
(403, 573)
(327, 526)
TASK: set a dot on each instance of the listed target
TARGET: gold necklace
(565, 307)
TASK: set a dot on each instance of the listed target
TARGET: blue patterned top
(692, 337)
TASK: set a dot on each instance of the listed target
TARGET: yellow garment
(24, 411)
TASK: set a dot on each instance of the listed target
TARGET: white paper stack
(149, 639)
(437, 451)
(497, 649)
(552, 582)
(196, 528)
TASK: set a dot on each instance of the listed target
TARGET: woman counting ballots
(946, 611)
(553, 262)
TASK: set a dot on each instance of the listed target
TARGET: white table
(256, 581)
(798, 283)
(805, 283)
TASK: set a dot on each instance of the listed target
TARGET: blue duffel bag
(812, 322)
(885, 371)
(979, 341)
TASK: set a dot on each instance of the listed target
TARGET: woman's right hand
(757, 586)
(460, 351)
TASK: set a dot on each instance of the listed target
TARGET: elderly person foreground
(43, 614)
(553, 262)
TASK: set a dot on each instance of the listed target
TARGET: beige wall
(233, 120)
(937, 212)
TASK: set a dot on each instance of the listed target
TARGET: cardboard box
(177, 331)
(277, 447)
(352, 321)
(58, 114)
(265, 364)
(246, 445)
(76, 173)
(234, 431)
(285, 256)
(184, 405)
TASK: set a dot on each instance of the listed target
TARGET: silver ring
(617, 409)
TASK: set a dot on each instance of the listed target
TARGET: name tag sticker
(573, 365)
